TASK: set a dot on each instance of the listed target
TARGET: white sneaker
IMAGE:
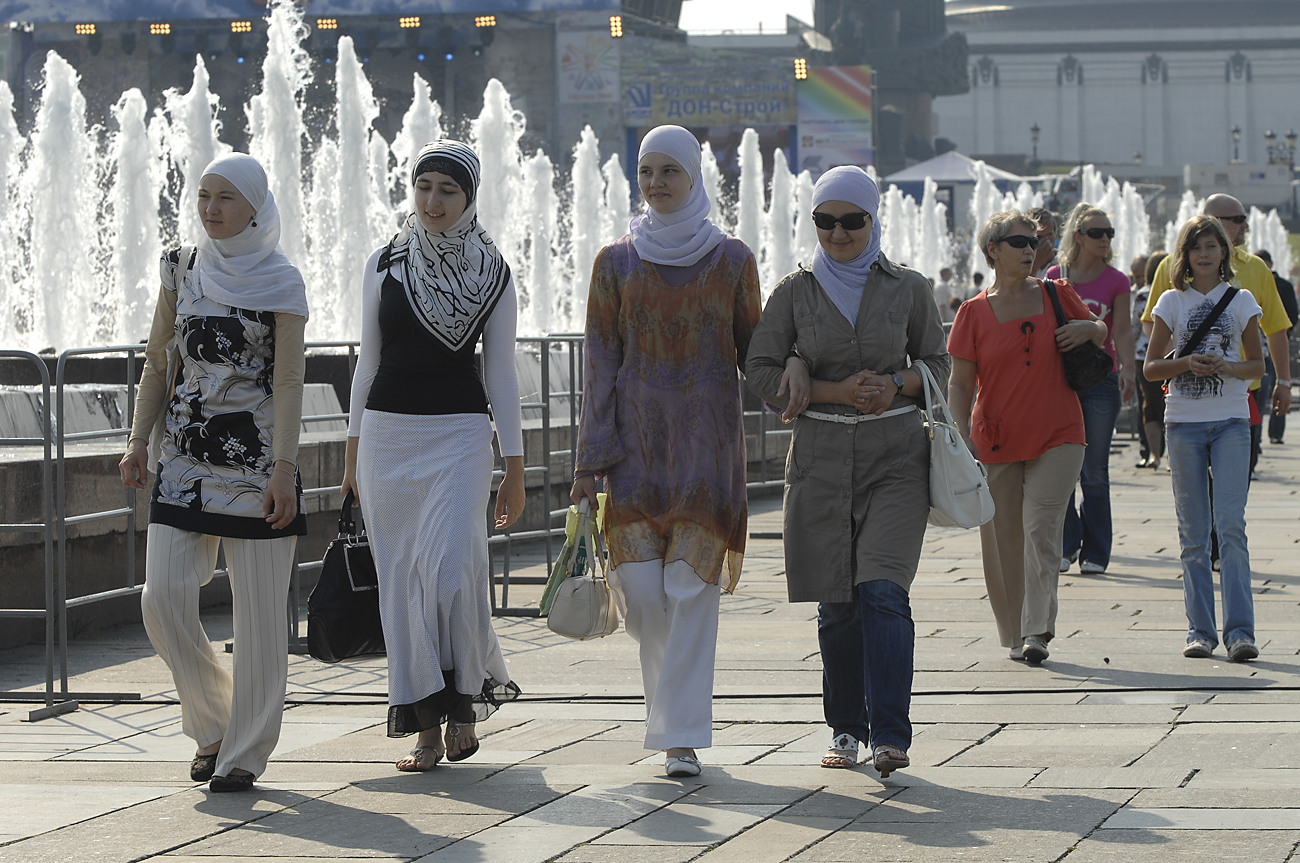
(1090, 568)
(1065, 564)
(1035, 649)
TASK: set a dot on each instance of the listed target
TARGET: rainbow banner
(835, 118)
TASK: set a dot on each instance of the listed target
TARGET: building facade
(1162, 83)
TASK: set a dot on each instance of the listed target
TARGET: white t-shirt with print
(1195, 399)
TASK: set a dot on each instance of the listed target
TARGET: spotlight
(409, 21)
(239, 59)
(241, 26)
(85, 29)
(451, 56)
(485, 21)
(327, 23)
(420, 57)
(800, 69)
(616, 26)
(160, 29)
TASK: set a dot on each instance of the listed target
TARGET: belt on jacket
(854, 419)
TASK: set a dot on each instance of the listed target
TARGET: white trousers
(243, 713)
(673, 614)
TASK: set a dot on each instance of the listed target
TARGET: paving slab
(1116, 748)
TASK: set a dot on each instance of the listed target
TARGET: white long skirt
(424, 484)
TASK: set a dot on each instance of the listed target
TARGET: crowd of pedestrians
(675, 329)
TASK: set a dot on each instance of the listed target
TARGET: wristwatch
(898, 381)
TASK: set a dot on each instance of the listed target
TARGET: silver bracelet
(1284, 383)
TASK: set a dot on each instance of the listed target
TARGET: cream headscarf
(249, 270)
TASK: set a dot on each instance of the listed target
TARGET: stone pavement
(1117, 748)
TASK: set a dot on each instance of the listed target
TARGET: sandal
(203, 767)
(417, 759)
(453, 740)
(842, 753)
(888, 759)
(241, 781)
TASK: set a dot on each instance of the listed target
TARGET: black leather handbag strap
(1201, 331)
(347, 525)
(1061, 319)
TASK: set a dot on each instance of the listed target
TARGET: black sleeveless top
(417, 373)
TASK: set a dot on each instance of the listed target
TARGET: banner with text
(692, 89)
(835, 118)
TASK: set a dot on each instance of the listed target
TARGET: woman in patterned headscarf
(419, 454)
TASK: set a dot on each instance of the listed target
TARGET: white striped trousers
(243, 713)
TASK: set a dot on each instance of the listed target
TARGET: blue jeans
(1088, 532)
(867, 647)
(1192, 447)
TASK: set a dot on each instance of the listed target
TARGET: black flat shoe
(202, 767)
(233, 782)
(453, 734)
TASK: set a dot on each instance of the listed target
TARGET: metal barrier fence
(47, 528)
(565, 349)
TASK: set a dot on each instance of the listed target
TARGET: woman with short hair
(857, 494)
(1026, 426)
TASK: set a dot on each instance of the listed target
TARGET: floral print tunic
(216, 456)
(661, 411)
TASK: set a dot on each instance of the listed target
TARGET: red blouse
(1024, 407)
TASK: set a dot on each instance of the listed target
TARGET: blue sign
(49, 11)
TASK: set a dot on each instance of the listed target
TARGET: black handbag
(1086, 365)
(343, 609)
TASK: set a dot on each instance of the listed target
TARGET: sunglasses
(1236, 220)
(1020, 241)
(1098, 233)
(849, 221)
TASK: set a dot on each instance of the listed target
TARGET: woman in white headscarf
(232, 313)
(669, 317)
(419, 454)
(857, 492)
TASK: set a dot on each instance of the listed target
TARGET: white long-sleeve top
(500, 378)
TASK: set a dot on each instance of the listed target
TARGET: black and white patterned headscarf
(453, 279)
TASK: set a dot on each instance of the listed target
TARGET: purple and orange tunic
(661, 411)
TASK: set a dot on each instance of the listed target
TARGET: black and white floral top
(216, 456)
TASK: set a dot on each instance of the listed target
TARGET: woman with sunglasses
(857, 494)
(671, 309)
(1026, 426)
(1085, 260)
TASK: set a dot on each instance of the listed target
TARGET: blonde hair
(1070, 248)
(1180, 267)
(999, 226)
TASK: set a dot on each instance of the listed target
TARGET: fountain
(84, 212)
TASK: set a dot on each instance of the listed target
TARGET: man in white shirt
(944, 294)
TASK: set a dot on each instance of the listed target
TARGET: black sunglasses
(1236, 220)
(1020, 241)
(850, 221)
(1098, 233)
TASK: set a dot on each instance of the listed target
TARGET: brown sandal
(890, 758)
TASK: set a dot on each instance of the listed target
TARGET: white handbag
(584, 605)
(959, 484)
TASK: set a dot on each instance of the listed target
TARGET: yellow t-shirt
(1248, 273)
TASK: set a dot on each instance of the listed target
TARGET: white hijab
(248, 270)
(844, 283)
(685, 235)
